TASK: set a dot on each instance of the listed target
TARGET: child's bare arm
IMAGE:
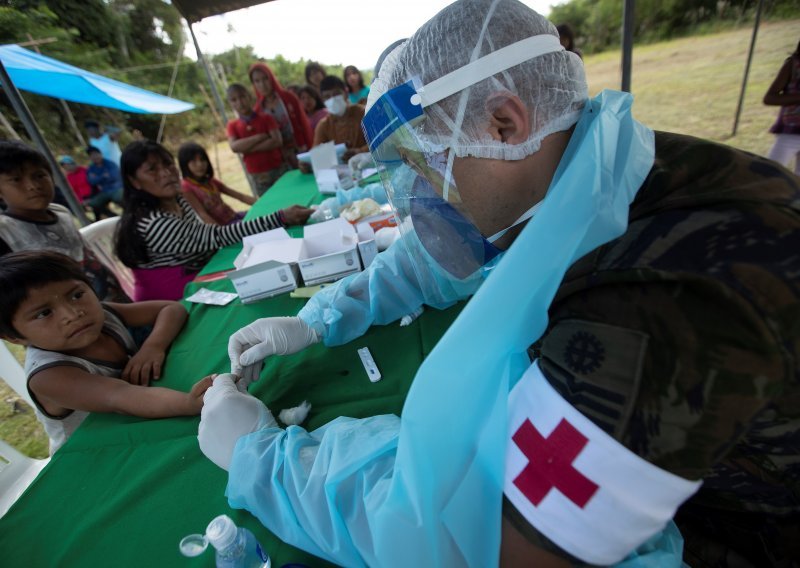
(249, 199)
(197, 205)
(271, 142)
(244, 145)
(167, 319)
(64, 388)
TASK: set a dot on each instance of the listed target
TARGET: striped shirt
(187, 241)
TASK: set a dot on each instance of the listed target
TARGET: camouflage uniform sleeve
(676, 370)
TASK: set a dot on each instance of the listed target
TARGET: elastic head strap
(486, 66)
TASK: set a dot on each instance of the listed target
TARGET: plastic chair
(16, 473)
(13, 374)
(100, 237)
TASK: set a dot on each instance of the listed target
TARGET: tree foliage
(597, 23)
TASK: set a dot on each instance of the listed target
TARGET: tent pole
(27, 119)
(218, 99)
(747, 67)
(201, 58)
(627, 43)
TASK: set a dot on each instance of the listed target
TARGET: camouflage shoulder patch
(597, 368)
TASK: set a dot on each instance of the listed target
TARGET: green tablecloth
(123, 491)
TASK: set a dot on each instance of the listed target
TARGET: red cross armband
(578, 486)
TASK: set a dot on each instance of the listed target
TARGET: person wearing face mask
(343, 123)
(624, 357)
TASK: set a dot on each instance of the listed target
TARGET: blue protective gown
(427, 490)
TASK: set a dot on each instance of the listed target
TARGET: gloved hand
(361, 161)
(228, 415)
(248, 347)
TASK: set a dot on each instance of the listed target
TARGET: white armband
(578, 486)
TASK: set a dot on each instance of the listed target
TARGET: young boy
(81, 356)
(257, 137)
(32, 222)
(78, 180)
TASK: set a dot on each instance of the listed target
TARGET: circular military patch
(584, 353)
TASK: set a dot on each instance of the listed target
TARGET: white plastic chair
(16, 473)
(100, 237)
(13, 374)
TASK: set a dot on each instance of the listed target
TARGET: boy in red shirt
(257, 137)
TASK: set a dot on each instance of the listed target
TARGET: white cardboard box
(329, 252)
(263, 280)
(251, 242)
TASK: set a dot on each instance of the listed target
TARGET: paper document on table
(206, 296)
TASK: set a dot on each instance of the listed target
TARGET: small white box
(249, 243)
(329, 252)
(263, 280)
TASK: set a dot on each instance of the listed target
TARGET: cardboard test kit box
(272, 262)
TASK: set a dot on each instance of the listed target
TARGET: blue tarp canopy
(43, 75)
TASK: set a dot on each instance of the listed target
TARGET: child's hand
(144, 366)
(197, 392)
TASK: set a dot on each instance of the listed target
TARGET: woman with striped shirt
(160, 236)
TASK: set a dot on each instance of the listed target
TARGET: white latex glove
(248, 347)
(228, 415)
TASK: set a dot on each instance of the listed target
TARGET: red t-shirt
(80, 185)
(256, 162)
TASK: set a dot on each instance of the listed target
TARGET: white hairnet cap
(552, 86)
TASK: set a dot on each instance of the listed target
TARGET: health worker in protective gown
(626, 362)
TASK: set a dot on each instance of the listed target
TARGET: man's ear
(509, 119)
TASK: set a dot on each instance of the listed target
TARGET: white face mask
(336, 105)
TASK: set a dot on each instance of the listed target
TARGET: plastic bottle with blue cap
(236, 547)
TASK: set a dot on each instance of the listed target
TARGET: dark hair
(237, 88)
(130, 247)
(565, 31)
(312, 66)
(314, 94)
(347, 85)
(332, 82)
(90, 149)
(20, 272)
(15, 154)
(188, 152)
(91, 124)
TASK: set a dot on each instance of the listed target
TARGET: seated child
(103, 174)
(81, 356)
(203, 191)
(257, 137)
(76, 176)
(161, 237)
(32, 222)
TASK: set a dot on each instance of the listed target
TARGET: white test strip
(369, 365)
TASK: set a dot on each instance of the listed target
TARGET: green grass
(689, 85)
(18, 424)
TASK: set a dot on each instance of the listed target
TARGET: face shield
(416, 168)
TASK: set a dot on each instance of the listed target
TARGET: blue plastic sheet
(427, 490)
(47, 76)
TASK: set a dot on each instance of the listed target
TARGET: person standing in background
(285, 108)
(313, 105)
(357, 91)
(567, 38)
(314, 74)
(785, 92)
(106, 142)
